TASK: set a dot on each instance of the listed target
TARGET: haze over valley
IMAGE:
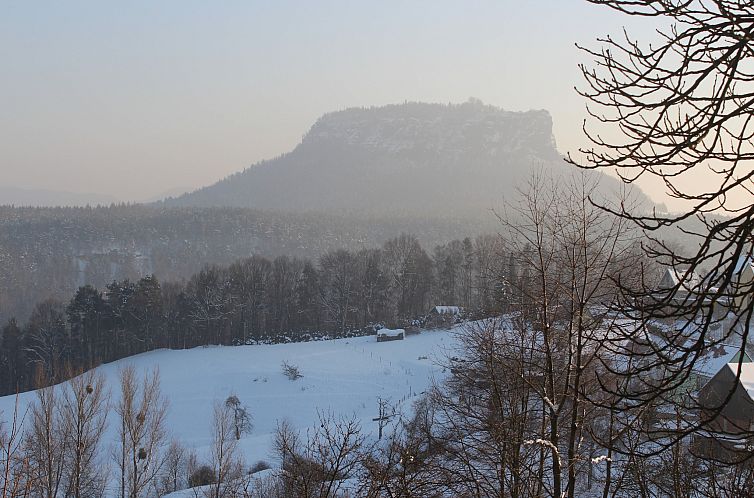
(335, 249)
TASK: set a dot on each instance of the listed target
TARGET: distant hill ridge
(417, 158)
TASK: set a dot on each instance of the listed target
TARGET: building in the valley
(386, 335)
(715, 358)
(443, 316)
(726, 412)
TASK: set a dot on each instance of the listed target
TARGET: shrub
(291, 371)
(259, 467)
(202, 476)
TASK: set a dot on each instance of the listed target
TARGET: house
(641, 350)
(726, 406)
(681, 289)
(386, 335)
(686, 281)
(684, 288)
(716, 358)
(662, 348)
(443, 316)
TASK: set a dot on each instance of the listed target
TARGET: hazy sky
(136, 98)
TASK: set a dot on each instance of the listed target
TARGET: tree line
(50, 252)
(254, 299)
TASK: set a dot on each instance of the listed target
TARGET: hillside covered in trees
(50, 252)
(284, 299)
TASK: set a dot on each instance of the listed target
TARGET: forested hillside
(50, 252)
(339, 294)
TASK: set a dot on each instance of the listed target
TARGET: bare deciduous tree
(84, 406)
(678, 112)
(176, 469)
(47, 444)
(241, 416)
(315, 465)
(16, 477)
(141, 412)
(227, 465)
(570, 253)
(513, 417)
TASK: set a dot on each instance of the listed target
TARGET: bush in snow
(202, 476)
(259, 467)
(291, 371)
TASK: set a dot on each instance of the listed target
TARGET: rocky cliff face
(419, 159)
(453, 131)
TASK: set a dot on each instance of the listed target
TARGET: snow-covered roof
(447, 310)
(391, 332)
(747, 376)
(715, 358)
(640, 341)
(674, 276)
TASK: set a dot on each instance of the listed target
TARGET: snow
(714, 359)
(343, 377)
(447, 310)
(747, 376)
(199, 490)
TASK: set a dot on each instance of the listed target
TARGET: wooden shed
(386, 335)
(442, 316)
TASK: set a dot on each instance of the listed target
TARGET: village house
(714, 359)
(727, 413)
(641, 351)
(677, 340)
(726, 325)
(686, 281)
(443, 317)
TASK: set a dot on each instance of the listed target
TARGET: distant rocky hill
(358, 178)
(422, 159)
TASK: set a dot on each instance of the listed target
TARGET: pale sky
(136, 98)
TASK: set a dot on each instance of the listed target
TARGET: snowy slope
(344, 376)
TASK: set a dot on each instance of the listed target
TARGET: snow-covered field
(344, 376)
